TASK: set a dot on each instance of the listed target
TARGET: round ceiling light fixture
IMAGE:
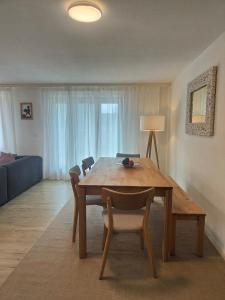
(84, 12)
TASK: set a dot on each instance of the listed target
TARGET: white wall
(198, 163)
(29, 133)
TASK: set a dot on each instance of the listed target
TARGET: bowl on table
(128, 163)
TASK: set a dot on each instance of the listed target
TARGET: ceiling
(135, 41)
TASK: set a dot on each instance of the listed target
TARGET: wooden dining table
(108, 172)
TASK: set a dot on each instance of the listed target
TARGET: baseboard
(215, 241)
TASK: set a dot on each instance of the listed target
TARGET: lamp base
(152, 138)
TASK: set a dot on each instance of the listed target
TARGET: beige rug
(52, 269)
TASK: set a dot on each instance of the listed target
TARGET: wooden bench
(185, 209)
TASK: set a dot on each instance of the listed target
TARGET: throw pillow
(6, 158)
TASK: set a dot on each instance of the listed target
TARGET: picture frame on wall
(26, 111)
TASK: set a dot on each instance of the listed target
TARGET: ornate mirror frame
(207, 79)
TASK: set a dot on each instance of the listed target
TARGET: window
(109, 108)
(108, 129)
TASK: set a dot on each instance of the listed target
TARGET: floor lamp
(152, 124)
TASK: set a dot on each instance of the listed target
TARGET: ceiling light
(84, 12)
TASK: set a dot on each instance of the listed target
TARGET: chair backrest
(127, 201)
(74, 179)
(87, 163)
(128, 155)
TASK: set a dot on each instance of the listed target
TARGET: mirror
(198, 114)
(201, 97)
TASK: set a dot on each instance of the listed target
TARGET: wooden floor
(25, 218)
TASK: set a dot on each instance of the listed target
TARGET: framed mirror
(201, 104)
(198, 98)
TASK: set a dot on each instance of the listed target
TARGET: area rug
(52, 269)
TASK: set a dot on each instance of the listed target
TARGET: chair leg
(200, 241)
(104, 237)
(148, 245)
(105, 252)
(142, 239)
(173, 235)
(75, 223)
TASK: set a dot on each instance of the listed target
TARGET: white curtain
(7, 123)
(55, 113)
(97, 120)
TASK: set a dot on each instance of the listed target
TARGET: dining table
(110, 173)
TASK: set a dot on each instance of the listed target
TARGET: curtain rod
(166, 83)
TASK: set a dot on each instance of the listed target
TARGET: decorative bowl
(136, 164)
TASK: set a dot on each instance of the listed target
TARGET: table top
(107, 172)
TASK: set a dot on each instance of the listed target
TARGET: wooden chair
(90, 200)
(87, 164)
(124, 213)
(127, 155)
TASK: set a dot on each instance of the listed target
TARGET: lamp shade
(152, 123)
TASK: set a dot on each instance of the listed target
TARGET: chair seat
(93, 200)
(129, 220)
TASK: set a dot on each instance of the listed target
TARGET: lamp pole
(152, 138)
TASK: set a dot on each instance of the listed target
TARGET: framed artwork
(26, 111)
(201, 98)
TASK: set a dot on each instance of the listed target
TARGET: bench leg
(173, 235)
(201, 230)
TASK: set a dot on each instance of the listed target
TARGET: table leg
(82, 223)
(167, 224)
(201, 229)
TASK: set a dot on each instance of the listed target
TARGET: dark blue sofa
(3, 186)
(18, 176)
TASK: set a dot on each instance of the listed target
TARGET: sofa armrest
(22, 174)
(19, 156)
(3, 186)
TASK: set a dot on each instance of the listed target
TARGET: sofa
(18, 176)
(3, 186)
